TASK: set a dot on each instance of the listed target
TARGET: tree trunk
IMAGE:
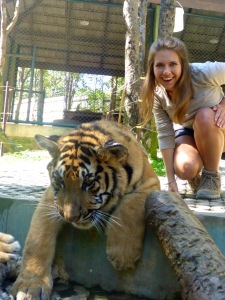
(112, 106)
(20, 94)
(132, 61)
(23, 75)
(3, 39)
(4, 32)
(166, 18)
(198, 263)
(142, 12)
(166, 26)
(71, 84)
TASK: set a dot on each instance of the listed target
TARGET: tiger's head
(88, 176)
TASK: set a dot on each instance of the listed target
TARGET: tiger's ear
(113, 149)
(47, 144)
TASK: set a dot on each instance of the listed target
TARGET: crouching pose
(189, 108)
(100, 177)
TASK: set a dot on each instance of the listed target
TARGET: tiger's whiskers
(51, 212)
(112, 219)
(99, 225)
(101, 219)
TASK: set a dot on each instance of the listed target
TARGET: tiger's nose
(71, 214)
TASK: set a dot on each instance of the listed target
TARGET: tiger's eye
(88, 181)
(58, 181)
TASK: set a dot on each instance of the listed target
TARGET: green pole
(156, 23)
(31, 83)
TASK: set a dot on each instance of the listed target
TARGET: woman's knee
(187, 161)
(204, 119)
(186, 169)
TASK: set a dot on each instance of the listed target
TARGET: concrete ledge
(29, 130)
(85, 258)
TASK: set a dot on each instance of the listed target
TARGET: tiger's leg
(125, 241)
(35, 279)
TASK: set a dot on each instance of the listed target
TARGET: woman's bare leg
(209, 138)
(187, 160)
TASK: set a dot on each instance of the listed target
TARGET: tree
(166, 18)
(23, 73)
(132, 61)
(166, 25)
(5, 31)
(71, 85)
(112, 105)
(142, 16)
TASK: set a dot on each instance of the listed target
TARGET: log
(198, 263)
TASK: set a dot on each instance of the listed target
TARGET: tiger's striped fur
(100, 177)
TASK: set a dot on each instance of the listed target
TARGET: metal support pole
(156, 21)
(5, 110)
(5, 115)
(31, 83)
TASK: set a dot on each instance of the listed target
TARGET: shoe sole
(208, 197)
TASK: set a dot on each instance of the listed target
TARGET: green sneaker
(210, 185)
(194, 183)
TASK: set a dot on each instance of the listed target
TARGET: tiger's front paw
(9, 248)
(29, 286)
(123, 252)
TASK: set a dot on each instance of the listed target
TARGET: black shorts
(184, 131)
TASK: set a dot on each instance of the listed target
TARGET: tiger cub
(100, 177)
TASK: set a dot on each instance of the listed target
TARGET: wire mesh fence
(66, 58)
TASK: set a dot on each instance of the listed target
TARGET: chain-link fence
(66, 58)
(66, 62)
(204, 35)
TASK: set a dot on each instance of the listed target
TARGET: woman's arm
(167, 155)
(164, 125)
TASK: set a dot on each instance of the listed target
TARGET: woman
(189, 108)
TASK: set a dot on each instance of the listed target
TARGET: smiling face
(167, 69)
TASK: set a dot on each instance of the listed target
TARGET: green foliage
(19, 144)
(28, 155)
(54, 82)
(95, 91)
(94, 101)
(120, 87)
(158, 166)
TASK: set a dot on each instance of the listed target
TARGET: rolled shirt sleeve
(164, 126)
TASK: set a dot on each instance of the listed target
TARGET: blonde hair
(183, 92)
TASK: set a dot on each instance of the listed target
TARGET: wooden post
(197, 261)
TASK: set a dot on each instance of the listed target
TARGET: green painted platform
(21, 185)
(85, 258)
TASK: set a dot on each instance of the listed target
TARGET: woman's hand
(220, 113)
(172, 186)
